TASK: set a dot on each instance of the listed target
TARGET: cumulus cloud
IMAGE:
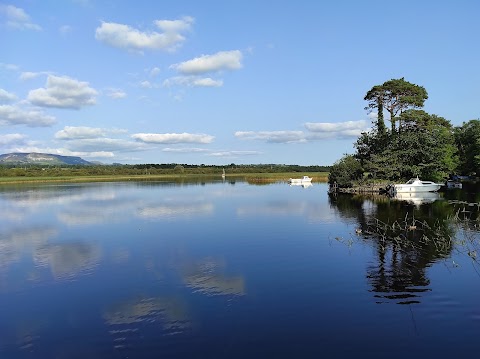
(75, 133)
(11, 138)
(175, 26)
(103, 144)
(6, 96)
(192, 81)
(17, 18)
(170, 138)
(63, 92)
(70, 133)
(339, 129)
(126, 37)
(272, 136)
(28, 75)
(223, 60)
(12, 115)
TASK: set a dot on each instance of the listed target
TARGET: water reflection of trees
(406, 239)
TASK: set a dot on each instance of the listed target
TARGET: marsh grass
(458, 234)
(249, 177)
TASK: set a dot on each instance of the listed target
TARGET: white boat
(298, 181)
(416, 185)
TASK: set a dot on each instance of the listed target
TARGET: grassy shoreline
(251, 177)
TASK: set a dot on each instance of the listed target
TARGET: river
(227, 269)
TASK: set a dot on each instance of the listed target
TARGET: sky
(219, 82)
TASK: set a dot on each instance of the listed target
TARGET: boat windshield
(411, 180)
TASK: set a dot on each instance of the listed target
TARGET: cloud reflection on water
(68, 260)
(23, 240)
(125, 318)
(206, 277)
(172, 211)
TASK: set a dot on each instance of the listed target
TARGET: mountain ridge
(36, 158)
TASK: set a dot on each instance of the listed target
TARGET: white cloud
(154, 72)
(75, 133)
(12, 115)
(27, 75)
(339, 129)
(104, 145)
(6, 96)
(173, 26)
(65, 29)
(11, 138)
(146, 84)
(223, 60)
(9, 67)
(272, 136)
(173, 138)
(70, 133)
(126, 37)
(192, 81)
(335, 127)
(17, 18)
(63, 92)
(234, 153)
(116, 93)
(317, 131)
(184, 150)
(98, 154)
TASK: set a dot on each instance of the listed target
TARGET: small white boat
(298, 181)
(416, 185)
(454, 184)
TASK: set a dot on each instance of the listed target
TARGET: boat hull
(403, 188)
(415, 185)
(300, 180)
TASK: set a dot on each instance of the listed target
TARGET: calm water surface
(233, 270)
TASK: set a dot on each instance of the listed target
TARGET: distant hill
(41, 159)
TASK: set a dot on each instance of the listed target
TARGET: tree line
(416, 143)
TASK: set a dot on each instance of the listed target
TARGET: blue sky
(219, 82)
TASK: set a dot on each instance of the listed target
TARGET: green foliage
(395, 96)
(467, 139)
(423, 145)
(345, 171)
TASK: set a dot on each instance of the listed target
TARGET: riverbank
(375, 188)
(250, 177)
